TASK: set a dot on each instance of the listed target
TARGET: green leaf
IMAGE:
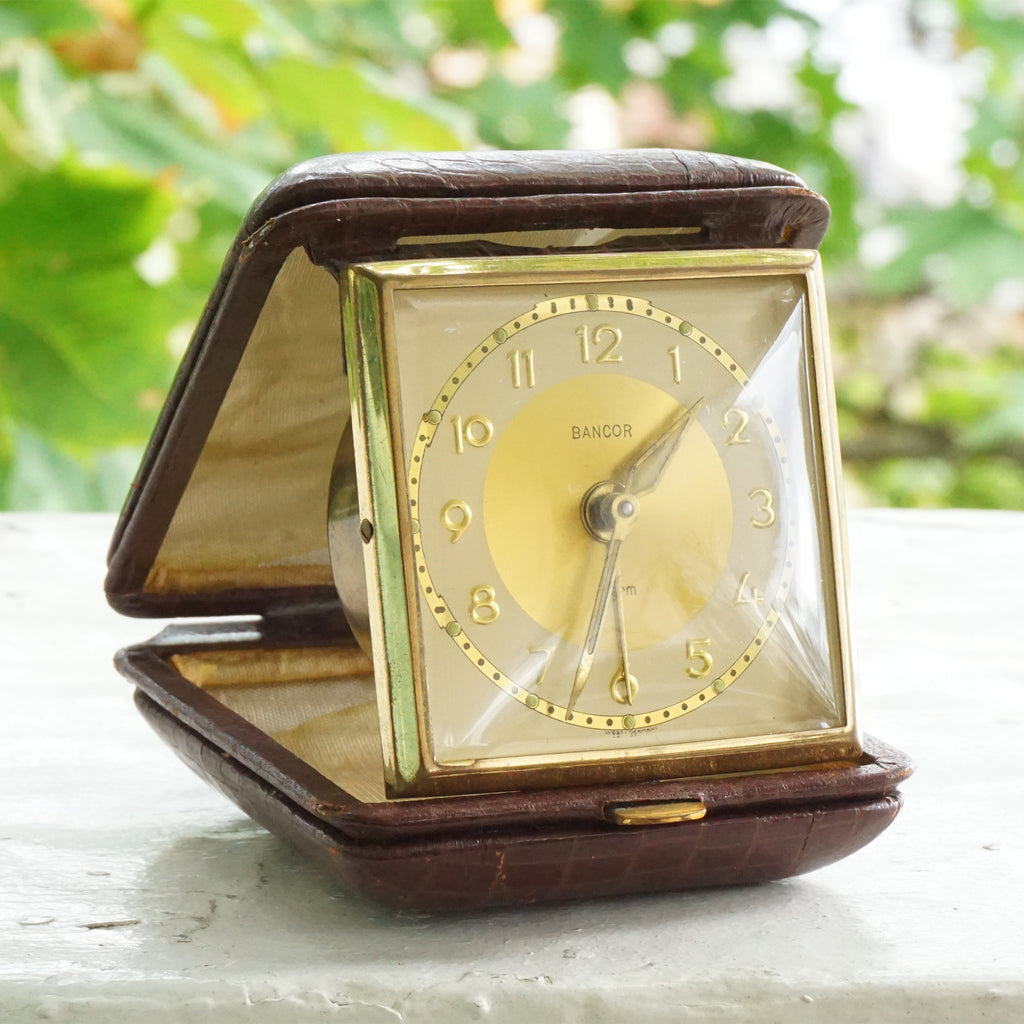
(592, 40)
(910, 483)
(961, 251)
(527, 117)
(223, 20)
(469, 22)
(989, 483)
(140, 134)
(6, 459)
(63, 219)
(647, 17)
(822, 86)
(338, 102)
(44, 18)
(82, 352)
(203, 39)
(1005, 422)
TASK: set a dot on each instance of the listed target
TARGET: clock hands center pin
(609, 512)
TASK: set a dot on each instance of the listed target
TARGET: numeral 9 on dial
(456, 516)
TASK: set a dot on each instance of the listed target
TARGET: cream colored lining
(265, 666)
(254, 512)
(319, 703)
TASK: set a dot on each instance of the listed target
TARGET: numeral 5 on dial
(697, 650)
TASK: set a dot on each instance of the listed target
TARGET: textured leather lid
(227, 514)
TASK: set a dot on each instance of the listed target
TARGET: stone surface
(129, 891)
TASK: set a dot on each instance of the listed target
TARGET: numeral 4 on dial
(745, 593)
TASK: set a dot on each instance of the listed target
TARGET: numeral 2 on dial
(742, 419)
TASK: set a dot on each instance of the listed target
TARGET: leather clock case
(227, 518)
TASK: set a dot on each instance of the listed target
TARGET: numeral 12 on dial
(605, 337)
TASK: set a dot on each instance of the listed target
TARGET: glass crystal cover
(614, 507)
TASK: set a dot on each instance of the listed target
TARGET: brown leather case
(225, 519)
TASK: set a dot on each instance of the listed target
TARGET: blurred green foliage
(135, 133)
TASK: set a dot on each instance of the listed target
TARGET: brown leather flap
(228, 512)
(208, 732)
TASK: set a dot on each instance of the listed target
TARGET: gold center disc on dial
(573, 435)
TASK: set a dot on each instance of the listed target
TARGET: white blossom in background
(907, 138)
(594, 120)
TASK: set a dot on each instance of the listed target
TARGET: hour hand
(647, 469)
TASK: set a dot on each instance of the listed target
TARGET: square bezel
(375, 363)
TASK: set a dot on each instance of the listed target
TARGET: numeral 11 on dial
(521, 362)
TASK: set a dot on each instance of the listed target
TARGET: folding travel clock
(506, 487)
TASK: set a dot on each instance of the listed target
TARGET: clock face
(611, 505)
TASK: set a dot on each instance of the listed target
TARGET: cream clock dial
(662, 603)
(607, 488)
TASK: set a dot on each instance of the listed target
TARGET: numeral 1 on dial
(677, 369)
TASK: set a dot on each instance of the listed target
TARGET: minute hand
(609, 575)
(647, 469)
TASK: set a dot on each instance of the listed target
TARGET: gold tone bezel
(395, 625)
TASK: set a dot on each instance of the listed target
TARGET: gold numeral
(483, 609)
(677, 369)
(624, 688)
(742, 419)
(538, 661)
(745, 594)
(697, 650)
(475, 431)
(455, 517)
(766, 509)
(521, 362)
(602, 335)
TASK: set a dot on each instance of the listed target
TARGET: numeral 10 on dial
(474, 430)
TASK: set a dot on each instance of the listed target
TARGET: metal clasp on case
(656, 814)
